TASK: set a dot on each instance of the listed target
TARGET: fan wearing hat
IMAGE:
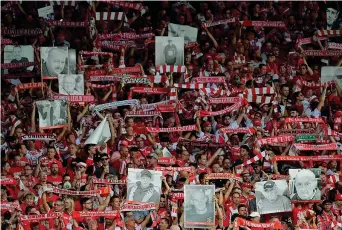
(255, 218)
(271, 199)
(143, 190)
(246, 195)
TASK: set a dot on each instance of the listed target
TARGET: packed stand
(171, 115)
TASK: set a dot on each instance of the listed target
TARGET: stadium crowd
(250, 104)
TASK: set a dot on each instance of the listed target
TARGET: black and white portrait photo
(52, 113)
(305, 184)
(19, 54)
(169, 50)
(143, 185)
(189, 33)
(330, 73)
(54, 61)
(271, 196)
(71, 84)
(333, 14)
(72, 61)
(199, 206)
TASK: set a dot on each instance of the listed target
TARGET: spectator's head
(51, 152)
(236, 198)
(90, 149)
(58, 205)
(87, 203)
(54, 169)
(255, 217)
(242, 209)
(5, 167)
(105, 159)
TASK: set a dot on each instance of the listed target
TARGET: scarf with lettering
(219, 22)
(173, 129)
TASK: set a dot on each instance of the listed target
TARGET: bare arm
(33, 117)
(84, 111)
(105, 98)
(322, 98)
(145, 222)
(211, 37)
(211, 160)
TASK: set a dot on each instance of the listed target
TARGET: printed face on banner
(52, 113)
(330, 73)
(272, 196)
(71, 84)
(18, 54)
(54, 61)
(334, 19)
(187, 32)
(305, 184)
(169, 50)
(199, 207)
(143, 185)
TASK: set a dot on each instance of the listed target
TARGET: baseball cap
(246, 185)
(338, 197)
(269, 185)
(145, 172)
(254, 214)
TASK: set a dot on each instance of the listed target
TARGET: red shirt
(235, 151)
(66, 219)
(15, 170)
(51, 198)
(55, 180)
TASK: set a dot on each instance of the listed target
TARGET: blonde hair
(72, 203)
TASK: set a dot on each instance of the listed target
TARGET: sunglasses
(104, 159)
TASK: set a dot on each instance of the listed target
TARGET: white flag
(100, 135)
(166, 153)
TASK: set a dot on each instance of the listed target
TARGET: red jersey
(55, 180)
(230, 209)
(67, 220)
(235, 151)
(245, 200)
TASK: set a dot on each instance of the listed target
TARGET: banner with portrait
(305, 184)
(54, 61)
(71, 84)
(330, 73)
(18, 59)
(187, 32)
(143, 186)
(333, 15)
(169, 50)
(52, 114)
(272, 196)
(199, 206)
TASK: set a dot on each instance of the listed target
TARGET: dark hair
(241, 206)
(84, 200)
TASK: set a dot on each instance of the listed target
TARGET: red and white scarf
(173, 129)
(109, 16)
